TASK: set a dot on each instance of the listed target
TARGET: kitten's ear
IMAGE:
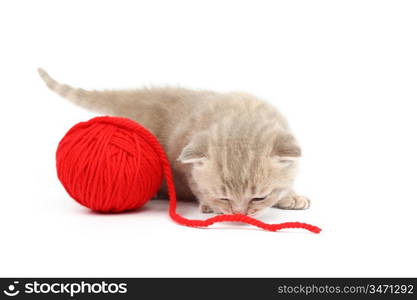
(195, 151)
(285, 150)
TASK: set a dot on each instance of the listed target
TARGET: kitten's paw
(205, 209)
(293, 202)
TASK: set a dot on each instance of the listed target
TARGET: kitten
(231, 151)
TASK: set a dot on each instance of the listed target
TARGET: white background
(343, 72)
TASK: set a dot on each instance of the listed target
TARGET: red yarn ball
(107, 166)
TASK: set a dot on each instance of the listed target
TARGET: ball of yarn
(107, 166)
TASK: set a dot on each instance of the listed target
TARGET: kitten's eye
(224, 199)
(258, 199)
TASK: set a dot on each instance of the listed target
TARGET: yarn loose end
(243, 219)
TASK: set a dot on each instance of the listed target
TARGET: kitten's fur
(221, 145)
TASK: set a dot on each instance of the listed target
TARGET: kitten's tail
(156, 102)
(81, 97)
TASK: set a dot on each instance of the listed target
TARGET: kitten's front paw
(205, 209)
(293, 202)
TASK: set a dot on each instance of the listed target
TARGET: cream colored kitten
(231, 151)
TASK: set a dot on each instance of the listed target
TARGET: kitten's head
(241, 174)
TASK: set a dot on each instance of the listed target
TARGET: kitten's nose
(240, 210)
